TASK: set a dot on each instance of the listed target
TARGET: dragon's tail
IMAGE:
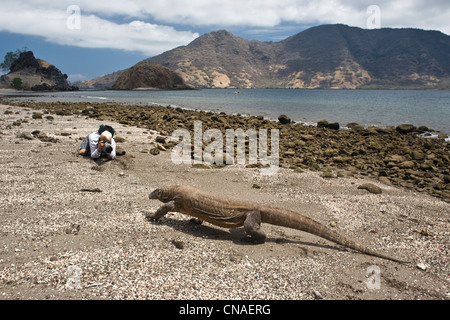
(297, 221)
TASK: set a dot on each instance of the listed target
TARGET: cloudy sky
(89, 38)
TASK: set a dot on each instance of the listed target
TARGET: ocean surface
(382, 108)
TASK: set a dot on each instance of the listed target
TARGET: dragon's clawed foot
(150, 216)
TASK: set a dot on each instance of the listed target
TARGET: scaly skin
(229, 213)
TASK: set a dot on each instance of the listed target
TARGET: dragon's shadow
(237, 235)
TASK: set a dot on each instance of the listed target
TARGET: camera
(108, 147)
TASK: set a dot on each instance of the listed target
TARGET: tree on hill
(10, 57)
(17, 83)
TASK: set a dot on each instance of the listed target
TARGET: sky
(90, 38)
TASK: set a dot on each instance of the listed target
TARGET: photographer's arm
(112, 155)
(95, 145)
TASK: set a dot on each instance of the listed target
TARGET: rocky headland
(400, 156)
(36, 75)
(148, 76)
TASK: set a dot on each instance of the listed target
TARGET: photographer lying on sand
(99, 143)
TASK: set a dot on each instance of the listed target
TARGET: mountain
(220, 60)
(35, 74)
(147, 75)
(328, 56)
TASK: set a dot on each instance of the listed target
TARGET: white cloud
(270, 13)
(92, 31)
(125, 25)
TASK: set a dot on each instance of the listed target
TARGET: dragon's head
(164, 194)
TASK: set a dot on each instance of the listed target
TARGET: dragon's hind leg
(252, 226)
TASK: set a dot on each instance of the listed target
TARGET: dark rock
(326, 124)
(405, 128)
(154, 151)
(160, 139)
(322, 124)
(95, 190)
(284, 119)
(334, 126)
(178, 244)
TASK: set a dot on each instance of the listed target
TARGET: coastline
(368, 108)
(49, 225)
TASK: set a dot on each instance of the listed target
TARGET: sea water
(381, 108)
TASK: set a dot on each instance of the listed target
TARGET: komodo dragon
(229, 213)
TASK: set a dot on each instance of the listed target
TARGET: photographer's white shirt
(93, 144)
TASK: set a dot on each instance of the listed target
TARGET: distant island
(329, 56)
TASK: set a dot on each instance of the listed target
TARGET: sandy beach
(72, 228)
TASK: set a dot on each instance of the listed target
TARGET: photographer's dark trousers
(85, 145)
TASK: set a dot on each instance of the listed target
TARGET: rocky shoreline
(395, 155)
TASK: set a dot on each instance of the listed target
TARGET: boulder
(418, 155)
(407, 165)
(334, 126)
(355, 126)
(326, 124)
(322, 124)
(284, 119)
(405, 128)
(371, 188)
